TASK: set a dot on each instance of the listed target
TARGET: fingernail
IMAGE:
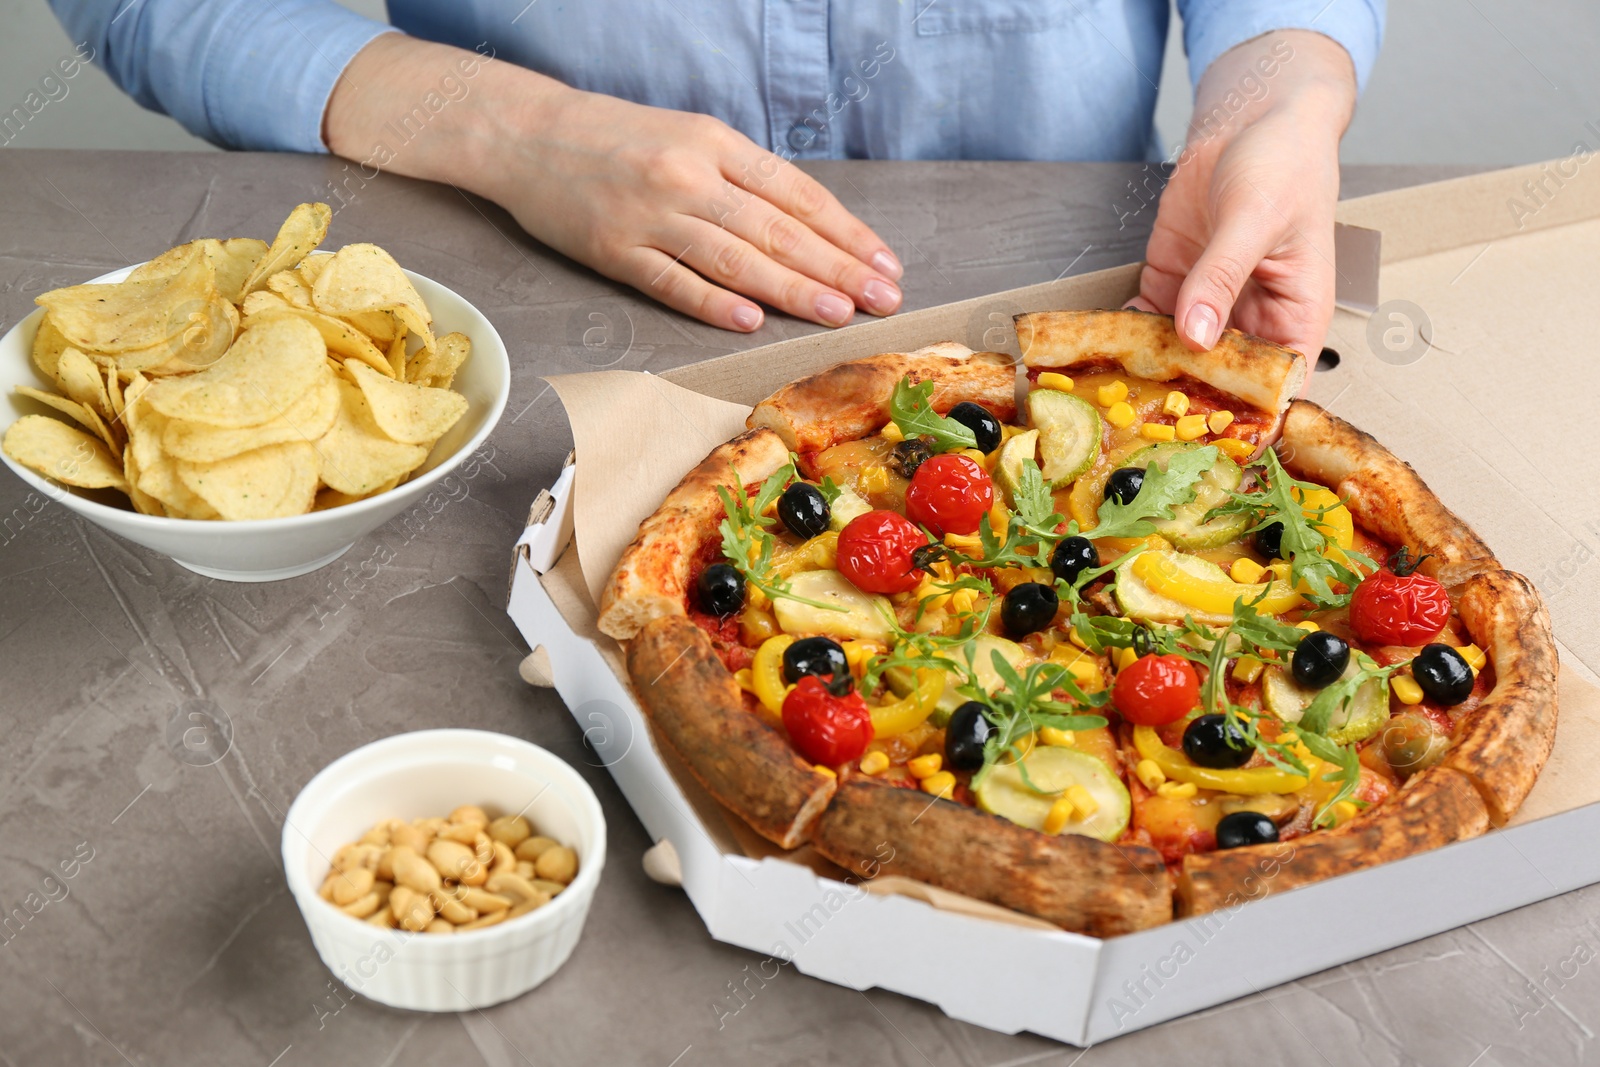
(834, 309)
(746, 317)
(884, 263)
(1202, 326)
(880, 296)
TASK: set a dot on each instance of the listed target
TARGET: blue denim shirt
(810, 79)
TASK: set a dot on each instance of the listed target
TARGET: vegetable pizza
(1154, 639)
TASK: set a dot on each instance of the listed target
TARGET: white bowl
(266, 550)
(431, 773)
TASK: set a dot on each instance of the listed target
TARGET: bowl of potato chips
(249, 409)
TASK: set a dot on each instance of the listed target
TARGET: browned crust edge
(1264, 375)
(651, 579)
(698, 709)
(1079, 883)
(851, 400)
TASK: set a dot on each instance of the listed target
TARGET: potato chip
(268, 368)
(300, 233)
(356, 457)
(48, 344)
(312, 266)
(83, 416)
(287, 284)
(414, 414)
(211, 330)
(436, 366)
(381, 326)
(305, 420)
(234, 261)
(362, 278)
(82, 380)
(341, 338)
(143, 502)
(397, 356)
(130, 401)
(260, 301)
(267, 483)
(114, 391)
(133, 314)
(63, 452)
(162, 484)
(331, 498)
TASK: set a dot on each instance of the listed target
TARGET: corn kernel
(1111, 393)
(1474, 656)
(1025, 743)
(1083, 801)
(964, 600)
(1344, 811)
(1405, 688)
(1308, 626)
(1177, 790)
(1123, 658)
(1052, 736)
(977, 457)
(1054, 380)
(1247, 669)
(1084, 670)
(1234, 448)
(964, 542)
(1156, 431)
(925, 766)
(1077, 639)
(1058, 816)
(1246, 571)
(1219, 420)
(1120, 415)
(1280, 570)
(942, 784)
(875, 479)
(1190, 427)
(1177, 403)
(892, 432)
(826, 772)
(1148, 773)
(874, 763)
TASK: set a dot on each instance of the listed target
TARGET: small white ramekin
(431, 773)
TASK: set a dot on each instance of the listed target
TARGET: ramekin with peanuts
(440, 875)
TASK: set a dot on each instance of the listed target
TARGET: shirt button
(801, 137)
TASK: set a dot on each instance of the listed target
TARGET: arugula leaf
(915, 649)
(1033, 499)
(1161, 491)
(1319, 713)
(912, 410)
(747, 543)
(1025, 704)
(1030, 531)
(829, 489)
(1348, 774)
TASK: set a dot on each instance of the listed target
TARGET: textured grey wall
(1459, 81)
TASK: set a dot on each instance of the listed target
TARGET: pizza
(1141, 636)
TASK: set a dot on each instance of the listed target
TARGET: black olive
(1443, 674)
(804, 510)
(1144, 642)
(821, 656)
(1245, 828)
(964, 736)
(1319, 659)
(1028, 607)
(984, 426)
(720, 589)
(1072, 556)
(1269, 540)
(908, 455)
(1216, 741)
(1124, 484)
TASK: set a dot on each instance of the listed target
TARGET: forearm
(1296, 73)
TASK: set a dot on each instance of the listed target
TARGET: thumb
(1212, 287)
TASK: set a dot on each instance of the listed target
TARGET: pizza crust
(1079, 883)
(698, 709)
(1262, 374)
(851, 400)
(651, 580)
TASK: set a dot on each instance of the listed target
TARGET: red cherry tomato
(1156, 690)
(827, 729)
(1396, 606)
(949, 494)
(875, 552)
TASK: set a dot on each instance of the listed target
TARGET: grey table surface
(177, 941)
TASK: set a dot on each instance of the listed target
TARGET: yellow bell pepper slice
(766, 673)
(1249, 781)
(911, 710)
(1215, 596)
(1336, 523)
(818, 554)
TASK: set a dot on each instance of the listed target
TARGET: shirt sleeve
(1211, 27)
(240, 73)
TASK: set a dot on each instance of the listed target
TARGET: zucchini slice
(1069, 434)
(1052, 770)
(1139, 601)
(1008, 464)
(900, 679)
(1360, 719)
(1187, 528)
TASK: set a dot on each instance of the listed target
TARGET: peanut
(559, 864)
(488, 920)
(381, 917)
(482, 901)
(512, 829)
(363, 907)
(453, 859)
(523, 907)
(352, 885)
(378, 835)
(550, 888)
(504, 858)
(412, 870)
(412, 910)
(483, 846)
(464, 833)
(454, 910)
(525, 869)
(439, 926)
(411, 837)
(470, 813)
(509, 884)
(534, 847)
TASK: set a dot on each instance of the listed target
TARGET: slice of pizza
(1158, 637)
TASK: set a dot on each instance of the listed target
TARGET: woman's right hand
(680, 206)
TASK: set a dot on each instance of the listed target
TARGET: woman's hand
(1244, 232)
(678, 205)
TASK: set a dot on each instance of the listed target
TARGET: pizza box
(1477, 365)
